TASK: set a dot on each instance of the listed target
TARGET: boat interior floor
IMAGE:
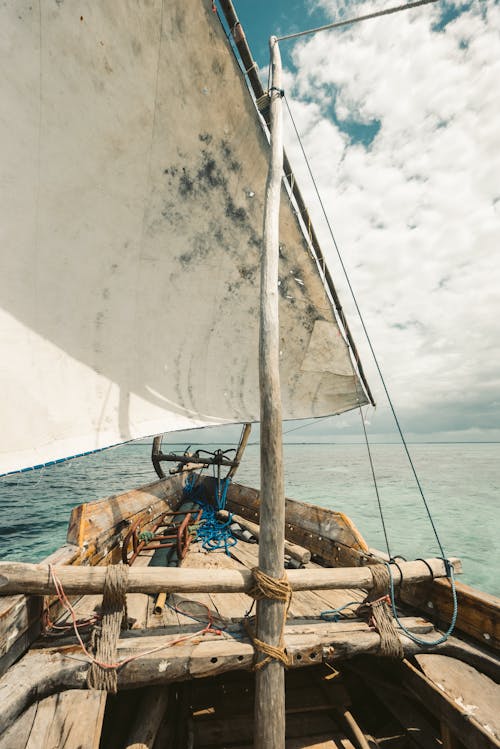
(357, 703)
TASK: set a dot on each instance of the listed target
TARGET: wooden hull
(199, 691)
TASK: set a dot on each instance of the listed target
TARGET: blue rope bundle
(213, 534)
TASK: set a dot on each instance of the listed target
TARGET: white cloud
(415, 213)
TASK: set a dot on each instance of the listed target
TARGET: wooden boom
(19, 577)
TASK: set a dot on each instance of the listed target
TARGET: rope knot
(276, 589)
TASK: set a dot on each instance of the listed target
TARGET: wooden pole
(269, 729)
(36, 579)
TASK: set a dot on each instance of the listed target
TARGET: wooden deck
(200, 693)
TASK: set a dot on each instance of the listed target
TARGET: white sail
(131, 198)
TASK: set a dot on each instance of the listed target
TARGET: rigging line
(338, 24)
(311, 423)
(372, 350)
(375, 483)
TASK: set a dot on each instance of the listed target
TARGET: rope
(209, 627)
(333, 615)
(265, 586)
(419, 640)
(338, 24)
(381, 617)
(105, 637)
(213, 534)
(375, 482)
(365, 330)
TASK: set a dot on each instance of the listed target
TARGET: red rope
(67, 605)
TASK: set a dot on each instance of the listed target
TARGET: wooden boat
(341, 692)
(132, 634)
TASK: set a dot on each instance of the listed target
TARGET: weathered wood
(472, 734)
(41, 672)
(405, 711)
(16, 737)
(245, 434)
(476, 693)
(20, 616)
(94, 534)
(69, 720)
(150, 711)
(448, 739)
(294, 550)
(231, 729)
(333, 552)
(270, 680)
(478, 612)
(319, 521)
(36, 578)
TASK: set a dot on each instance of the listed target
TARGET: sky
(400, 119)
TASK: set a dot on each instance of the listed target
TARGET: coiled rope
(213, 534)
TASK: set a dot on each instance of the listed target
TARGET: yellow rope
(265, 586)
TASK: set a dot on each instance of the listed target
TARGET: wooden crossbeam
(19, 577)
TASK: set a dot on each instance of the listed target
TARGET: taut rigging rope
(348, 21)
(358, 310)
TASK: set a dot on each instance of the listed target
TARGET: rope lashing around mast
(275, 589)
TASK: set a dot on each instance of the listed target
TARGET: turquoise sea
(461, 483)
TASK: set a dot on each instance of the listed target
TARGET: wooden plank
(476, 693)
(91, 519)
(20, 616)
(69, 720)
(138, 603)
(319, 521)
(16, 737)
(324, 741)
(478, 613)
(212, 731)
(460, 721)
(152, 706)
(405, 711)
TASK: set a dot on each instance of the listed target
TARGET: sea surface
(461, 483)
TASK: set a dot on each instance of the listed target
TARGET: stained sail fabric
(131, 199)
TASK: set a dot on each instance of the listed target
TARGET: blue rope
(213, 534)
(420, 641)
(333, 615)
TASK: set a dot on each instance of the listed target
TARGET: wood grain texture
(151, 709)
(320, 521)
(459, 720)
(37, 578)
(475, 693)
(270, 679)
(478, 613)
(43, 671)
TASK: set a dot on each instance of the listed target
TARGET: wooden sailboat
(133, 634)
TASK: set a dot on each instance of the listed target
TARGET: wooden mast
(269, 729)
